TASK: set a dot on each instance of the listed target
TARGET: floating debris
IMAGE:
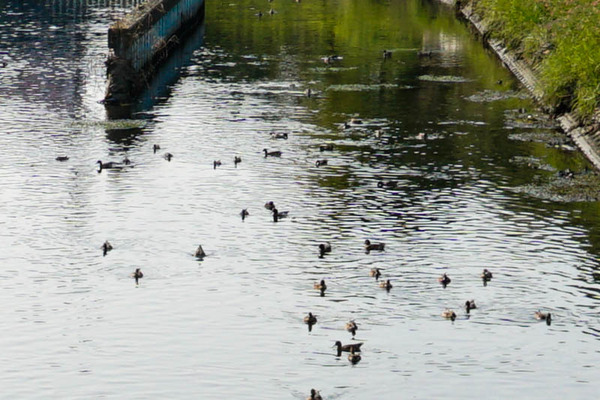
(364, 88)
(111, 124)
(578, 187)
(443, 78)
(493, 95)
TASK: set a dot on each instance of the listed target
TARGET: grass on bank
(560, 39)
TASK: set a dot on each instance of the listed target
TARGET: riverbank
(545, 46)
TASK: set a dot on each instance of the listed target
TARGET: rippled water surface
(441, 118)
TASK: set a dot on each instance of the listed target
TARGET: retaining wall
(141, 40)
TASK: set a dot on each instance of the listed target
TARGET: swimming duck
(137, 274)
(353, 357)
(444, 280)
(543, 317)
(387, 285)
(447, 313)
(321, 286)
(244, 213)
(318, 163)
(62, 158)
(272, 12)
(269, 205)
(200, 252)
(388, 184)
(277, 215)
(324, 248)
(310, 319)
(314, 395)
(168, 156)
(486, 275)
(108, 165)
(351, 327)
(126, 161)
(470, 305)
(354, 347)
(374, 246)
(156, 148)
(279, 135)
(259, 14)
(375, 272)
(387, 54)
(216, 163)
(106, 247)
(326, 147)
(272, 153)
(237, 160)
(355, 121)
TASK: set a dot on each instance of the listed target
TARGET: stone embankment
(586, 136)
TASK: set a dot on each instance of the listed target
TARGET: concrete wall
(149, 31)
(140, 42)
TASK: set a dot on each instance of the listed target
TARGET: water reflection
(441, 148)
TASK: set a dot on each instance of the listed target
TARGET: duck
(318, 163)
(314, 395)
(108, 165)
(269, 205)
(244, 213)
(444, 280)
(272, 11)
(374, 246)
(486, 275)
(126, 161)
(200, 252)
(168, 156)
(375, 272)
(324, 248)
(354, 358)
(62, 158)
(353, 348)
(272, 153)
(310, 319)
(216, 163)
(351, 327)
(326, 147)
(388, 184)
(236, 160)
(156, 148)
(387, 54)
(137, 274)
(543, 317)
(355, 121)
(279, 135)
(106, 247)
(308, 92)
(447, 313)
(321, 286)
(387, 285)
(470, 305)
(259, 14)
(277, 215)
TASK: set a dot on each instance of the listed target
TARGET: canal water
(441, 118)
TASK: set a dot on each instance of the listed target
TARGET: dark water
(74, 324)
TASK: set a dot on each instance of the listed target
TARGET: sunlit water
(74, 324)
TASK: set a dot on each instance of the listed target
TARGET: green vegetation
(558, 38)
